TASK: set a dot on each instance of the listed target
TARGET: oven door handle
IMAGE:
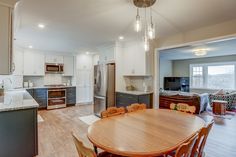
(57, 90)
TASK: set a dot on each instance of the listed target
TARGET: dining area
(136, 131)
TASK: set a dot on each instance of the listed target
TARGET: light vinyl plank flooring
(55, 133)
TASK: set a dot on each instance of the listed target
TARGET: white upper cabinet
(135, 60)
(18, 61)
(40, 64)
(54, 59)
(68, 65)
(33, 64)
(5, 39)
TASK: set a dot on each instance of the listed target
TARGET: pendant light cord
(145, 13)
(151, 15)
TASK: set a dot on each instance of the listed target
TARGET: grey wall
(181, 67)
(165, 70)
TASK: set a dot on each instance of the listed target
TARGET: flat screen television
(176, 84)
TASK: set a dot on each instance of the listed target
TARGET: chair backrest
(82, 150)
(201, 141)
(136, 107)
(185, 149)
(112, 111)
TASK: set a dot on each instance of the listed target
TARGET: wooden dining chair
(112, 111)
(82, 150)
(87, 152)
(136, 107)
(198, 149)
(185, 149)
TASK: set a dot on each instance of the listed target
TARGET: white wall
(165, 70)
(209, 32)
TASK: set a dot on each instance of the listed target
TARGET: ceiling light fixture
(41, 26)
(200, 52)
(30, 46)
(121, 37)
(87, 53)
(149, 27)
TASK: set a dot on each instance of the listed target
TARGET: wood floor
(55, 133)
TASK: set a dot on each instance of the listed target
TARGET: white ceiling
(215, 48)
(83, 25)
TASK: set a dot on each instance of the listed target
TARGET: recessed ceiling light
(87, 53)
(121, 37)
(30, 46)
(41, 25)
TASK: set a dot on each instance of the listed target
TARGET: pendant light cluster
(149, 26)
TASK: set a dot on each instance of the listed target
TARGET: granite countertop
(136, 92)
(17, 99)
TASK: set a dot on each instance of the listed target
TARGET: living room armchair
(230, 98)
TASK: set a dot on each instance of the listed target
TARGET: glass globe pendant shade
(151, 31)
(146, 43)
(138, 24)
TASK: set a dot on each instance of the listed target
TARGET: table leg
(95, 149)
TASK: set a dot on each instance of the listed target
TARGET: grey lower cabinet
(124, 99)
(19, 133)
(70, 96)
(31, 92)
(40, 95)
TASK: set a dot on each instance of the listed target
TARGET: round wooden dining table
(149, 132)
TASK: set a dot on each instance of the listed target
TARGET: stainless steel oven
(54, 68)
(56, 98)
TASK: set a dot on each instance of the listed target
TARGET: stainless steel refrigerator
(104, 87)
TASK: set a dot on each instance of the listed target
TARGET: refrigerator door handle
(99, 97)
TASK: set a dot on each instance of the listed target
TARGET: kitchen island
(18, 124)
(126, 98)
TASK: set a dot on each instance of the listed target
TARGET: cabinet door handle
(13, 67)
(99, 97)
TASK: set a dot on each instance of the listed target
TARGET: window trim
(205, 65)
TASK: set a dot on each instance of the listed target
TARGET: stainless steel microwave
(54, 68)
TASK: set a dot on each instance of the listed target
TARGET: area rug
(229, 115)
(40, 119)
(89, 119)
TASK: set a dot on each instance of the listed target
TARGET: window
(213, 76)
(197, 76)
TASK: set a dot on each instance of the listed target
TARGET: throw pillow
(219, 92)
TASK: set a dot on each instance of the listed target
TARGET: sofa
(200, 101)
(229, 97)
